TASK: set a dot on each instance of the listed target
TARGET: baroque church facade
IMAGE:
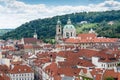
(68, 31)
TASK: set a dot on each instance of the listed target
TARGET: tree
(45, 28)
(109, 78)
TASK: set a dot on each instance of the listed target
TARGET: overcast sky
(13, 13)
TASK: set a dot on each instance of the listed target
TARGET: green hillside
(45, 28)
(3, 31)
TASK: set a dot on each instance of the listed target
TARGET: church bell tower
(58, 31)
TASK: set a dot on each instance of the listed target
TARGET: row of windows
(22, 79)
(28, 74)
(112, 65)
(109, 65)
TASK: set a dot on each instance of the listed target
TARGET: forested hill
(45, 28)
(3, 31)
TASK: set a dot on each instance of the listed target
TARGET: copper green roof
(69, 26)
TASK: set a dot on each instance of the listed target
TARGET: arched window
(67, 34)
(59, 30)
(71, 34)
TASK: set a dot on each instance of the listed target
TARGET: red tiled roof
(110, 73)
(87, 53)
(72, 40)
(21, 69)
(16, 63)
(39, 61)
(87, 35)
(28, 46)
(52, 69)
(4, 68)
(85, 63)
(57, 77)
(10, 48)
(4, 76)
(69, 71)
(31, 40)
(98, 76)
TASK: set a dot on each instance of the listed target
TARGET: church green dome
(69, 25)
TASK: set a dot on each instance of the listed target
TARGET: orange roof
(87, 35)
(72, 40)
(28, 46)
(110, 73)
(85, 63)
(16, 63)
(21, 69)
(4, 68)
(4, 76)
(52, 69)
(87, 53)
(40, 61)
(69, 71)
(30, 40)
(93, 40)
(10, 48)
(57, 77)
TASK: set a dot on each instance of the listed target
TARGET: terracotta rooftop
(21, 69)
(110, 73)
(4, 76)
(69, 71)
(86, 35)
(4, 68)
(31, 40)
(90, 37)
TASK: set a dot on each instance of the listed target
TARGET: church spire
(69, 21)
(58, 22)
(35, 34)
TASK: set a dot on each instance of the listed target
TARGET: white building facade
(21, 72)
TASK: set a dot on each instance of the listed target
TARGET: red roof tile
(21, 69)
(110, 73)
(69, 71)
(87, 35)
(90, 37)
(4, 76)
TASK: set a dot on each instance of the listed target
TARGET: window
(67, 34)
(71, 34)
(59, 30)
(102, 65)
